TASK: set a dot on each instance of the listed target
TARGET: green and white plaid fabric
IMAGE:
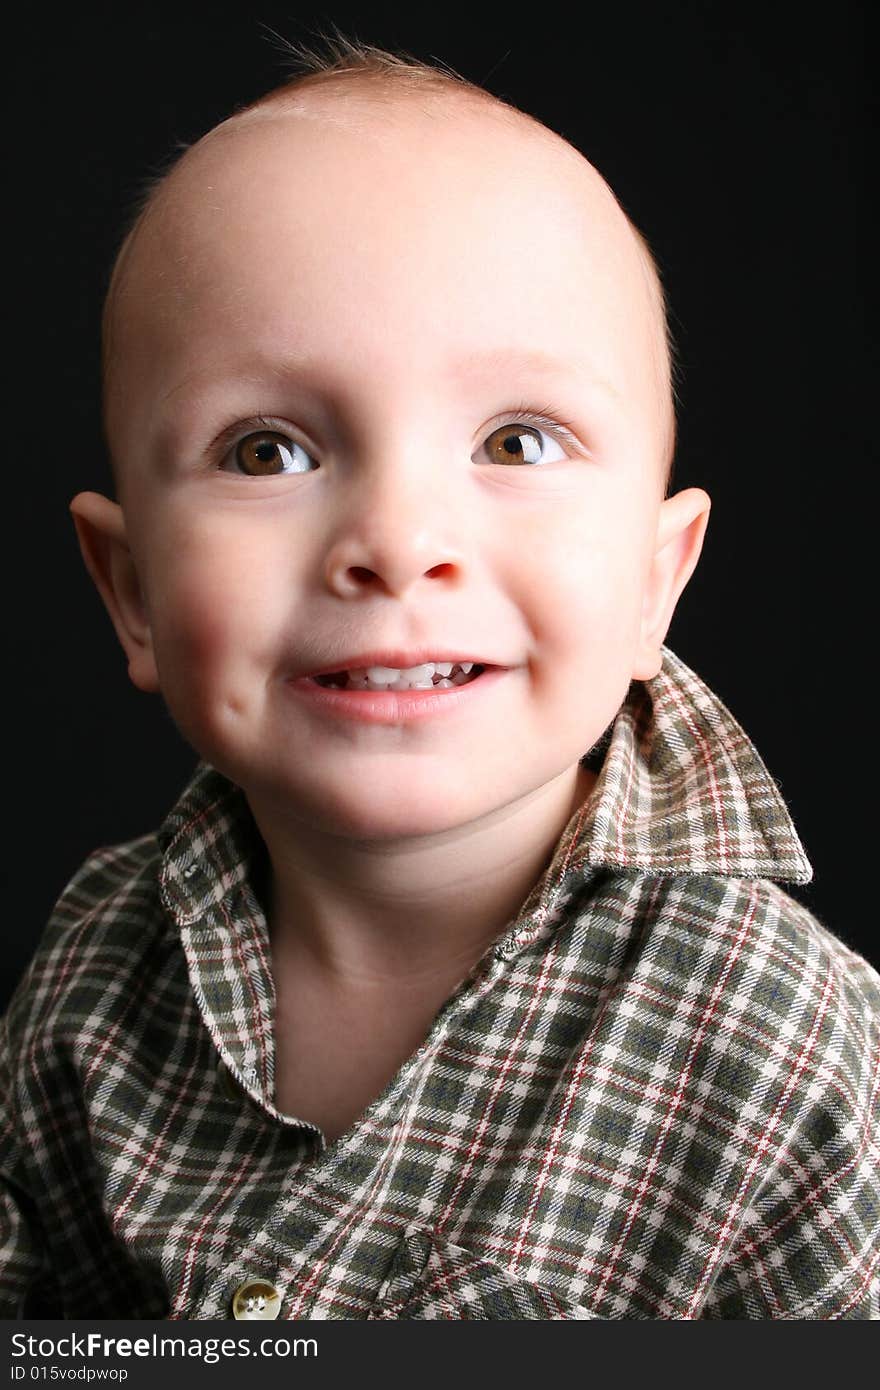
(656, 1096)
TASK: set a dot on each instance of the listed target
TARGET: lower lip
(396, 706)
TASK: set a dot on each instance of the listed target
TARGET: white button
(256, 1300)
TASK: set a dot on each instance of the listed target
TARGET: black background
(737, 140)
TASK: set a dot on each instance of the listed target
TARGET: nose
(397, 531)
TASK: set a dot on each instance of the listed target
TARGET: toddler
(458, 982)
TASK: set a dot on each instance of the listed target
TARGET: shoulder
(745, 930)
(810, 951)
(111, 882)
(760, 978)
(101, 931)
(784, 1034)
(812, 1006)
(80, 1046)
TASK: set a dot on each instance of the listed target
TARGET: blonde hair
(349, 61)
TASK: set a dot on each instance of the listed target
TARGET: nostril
(362, 575)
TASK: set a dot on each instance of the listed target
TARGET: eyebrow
(534, 360)
(482, 361)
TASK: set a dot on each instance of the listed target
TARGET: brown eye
(270, 454)
(515, 444)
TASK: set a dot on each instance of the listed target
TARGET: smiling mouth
(439, 675)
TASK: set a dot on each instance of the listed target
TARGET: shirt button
(254, 1300)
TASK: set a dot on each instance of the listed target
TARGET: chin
(390, 821)
(381, 804)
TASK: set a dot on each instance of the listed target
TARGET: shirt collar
(680, 790)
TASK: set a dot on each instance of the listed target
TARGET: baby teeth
(428, 675)
(386, 675)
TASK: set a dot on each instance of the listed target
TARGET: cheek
(585, 585)
(215, 601)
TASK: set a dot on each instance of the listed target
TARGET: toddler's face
(334, 348)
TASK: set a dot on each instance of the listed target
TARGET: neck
(405, 910)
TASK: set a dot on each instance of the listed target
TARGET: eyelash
(547, 419)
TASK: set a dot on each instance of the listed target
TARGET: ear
(100, 528)
(681, 526)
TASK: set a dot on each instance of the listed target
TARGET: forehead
(406, 237)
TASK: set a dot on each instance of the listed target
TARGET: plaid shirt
(655, 1096)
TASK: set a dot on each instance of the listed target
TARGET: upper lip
(396, 660)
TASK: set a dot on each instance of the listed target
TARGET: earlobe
(681, 529)
(100, 529)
